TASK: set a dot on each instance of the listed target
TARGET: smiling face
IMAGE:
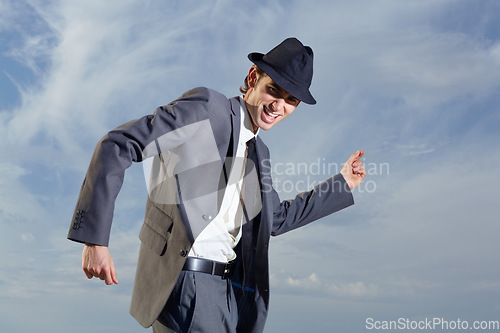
(267, 103)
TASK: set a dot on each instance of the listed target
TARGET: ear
(252, 77)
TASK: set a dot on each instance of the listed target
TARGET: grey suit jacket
(188, 142)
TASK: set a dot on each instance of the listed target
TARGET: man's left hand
(354, 170)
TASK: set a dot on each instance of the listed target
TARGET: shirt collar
(246, 131)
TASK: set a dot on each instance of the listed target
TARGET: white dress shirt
(219, 238)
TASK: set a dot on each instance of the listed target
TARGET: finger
(362, 174)
(98, 273)
(106, 275)
(358, 164)
(353, 157)
(92, 272)
(108, 279)
(101, 274)
(358, 167)
(113, 274)
(88, 274)
(356, 156)
(357, 171)
(359, 155)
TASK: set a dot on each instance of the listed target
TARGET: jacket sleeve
(115, 152)
(325, 198)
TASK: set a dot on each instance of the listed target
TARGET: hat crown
(293, 58)
(290, 65)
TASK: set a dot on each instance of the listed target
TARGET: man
(211, 209)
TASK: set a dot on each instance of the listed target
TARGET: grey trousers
(201, 303)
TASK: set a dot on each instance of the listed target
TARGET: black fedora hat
(290, 65)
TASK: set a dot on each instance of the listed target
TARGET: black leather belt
(224, 270)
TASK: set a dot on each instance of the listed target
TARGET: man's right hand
(97, 261)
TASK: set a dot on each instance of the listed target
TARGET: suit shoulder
(204, 94)
(201, 102)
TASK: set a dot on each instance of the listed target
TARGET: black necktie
(251, 155)
(250, 228)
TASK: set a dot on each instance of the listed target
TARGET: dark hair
(245, 87)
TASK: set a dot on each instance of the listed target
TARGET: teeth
(270, 113)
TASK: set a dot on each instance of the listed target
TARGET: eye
(293, 101)
(272, 90)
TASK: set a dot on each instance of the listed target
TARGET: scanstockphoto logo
(296, 177)
(438, 324)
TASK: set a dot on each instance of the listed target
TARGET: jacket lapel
(230, 150)
(235, 121)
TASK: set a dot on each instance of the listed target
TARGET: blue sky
(413, 83)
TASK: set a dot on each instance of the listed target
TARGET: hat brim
(298, 92)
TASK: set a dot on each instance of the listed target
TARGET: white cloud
(307, 283)
(356, 289)
(27, 238)
(314, 285)
(11, 207)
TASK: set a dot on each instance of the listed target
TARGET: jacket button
(207, 217)
(184, 253)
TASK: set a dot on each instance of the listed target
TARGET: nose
(278, 105)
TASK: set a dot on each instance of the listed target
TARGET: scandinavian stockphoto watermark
(185, 173)
(172, 163)
(432, 324)
(296, 177)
